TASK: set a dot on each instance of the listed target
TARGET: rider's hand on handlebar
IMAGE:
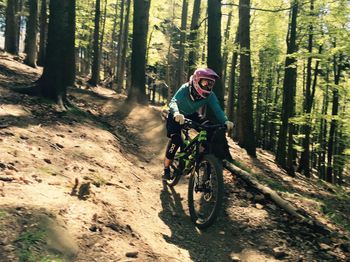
(229, 126)
(180, 118)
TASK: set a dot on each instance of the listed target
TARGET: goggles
(206, 84)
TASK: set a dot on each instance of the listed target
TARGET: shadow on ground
(32, 234)
(207, 245)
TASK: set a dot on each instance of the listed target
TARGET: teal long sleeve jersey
(183, 104)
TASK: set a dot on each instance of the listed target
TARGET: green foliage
(3, 214)
(241, 165)
(273, 183)
(328, 207)
(330, 25)
(27, 243)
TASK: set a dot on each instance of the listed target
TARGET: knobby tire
(216, 166)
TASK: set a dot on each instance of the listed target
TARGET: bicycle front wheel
(205, 192)
(175, 173)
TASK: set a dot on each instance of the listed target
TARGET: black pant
(174, 132)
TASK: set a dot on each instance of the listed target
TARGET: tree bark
(120, 42)
(232, 84)
(112, 45)
(121, 72)
(304, 164)
(245, 126)
(103, 34)
(95, 70)
(337, 68)
(192, 39)
(323, 133)
(138, 56)
(272, 136)
(11, 28)
(31, 34)
(215, 62)
(225, 54)
(181, 53)
(59, 69)
(43, 33)
(289, 86)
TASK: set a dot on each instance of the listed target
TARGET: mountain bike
(206, 186)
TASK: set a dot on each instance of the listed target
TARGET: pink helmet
(202, 82)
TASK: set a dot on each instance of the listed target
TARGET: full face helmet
(201, 83)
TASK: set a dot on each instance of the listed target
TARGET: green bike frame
(189, 154)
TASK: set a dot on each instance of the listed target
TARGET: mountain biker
(185, 103)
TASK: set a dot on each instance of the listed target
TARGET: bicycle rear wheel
(205, 192)
(175, 173)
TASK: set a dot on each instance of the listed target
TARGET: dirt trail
(85, 186)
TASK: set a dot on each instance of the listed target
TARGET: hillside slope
(84, 185)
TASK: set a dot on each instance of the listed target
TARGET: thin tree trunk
(267, 109)
(245, 126)
(181, 55)
(337, 68)
(11, 28)
(214, 45)
(274, 115)
(192, 39)
(31, 35)
(205, 33)
(304, 164)
(120, 42)
(232, 84)
(323, 133)
(103, 34)
(215, 62)
(149, 41)
(289, 85)
(95, 70)
(225, 54)
(113, 47)
(43, 33)
(121, 75)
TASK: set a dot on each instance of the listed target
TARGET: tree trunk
(337, 68)
(259, 94)
(304, 164)
(43, 33)
(232, 84)
(267, 122)
(323, 133)
(31, 36)
(103, 34)
(274, 115)
(225, 54)
(205, 33)
(289, 85)
(215, 62)
(95, 70)
(121, 72)
(120, 42)
(192, 39)
(181, 55)
(138, 56)
(245, 126)
(11, 28)
(59, 69)
(112, 45)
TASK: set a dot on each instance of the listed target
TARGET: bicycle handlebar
(192, 124)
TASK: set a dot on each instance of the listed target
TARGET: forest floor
(85, 185)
